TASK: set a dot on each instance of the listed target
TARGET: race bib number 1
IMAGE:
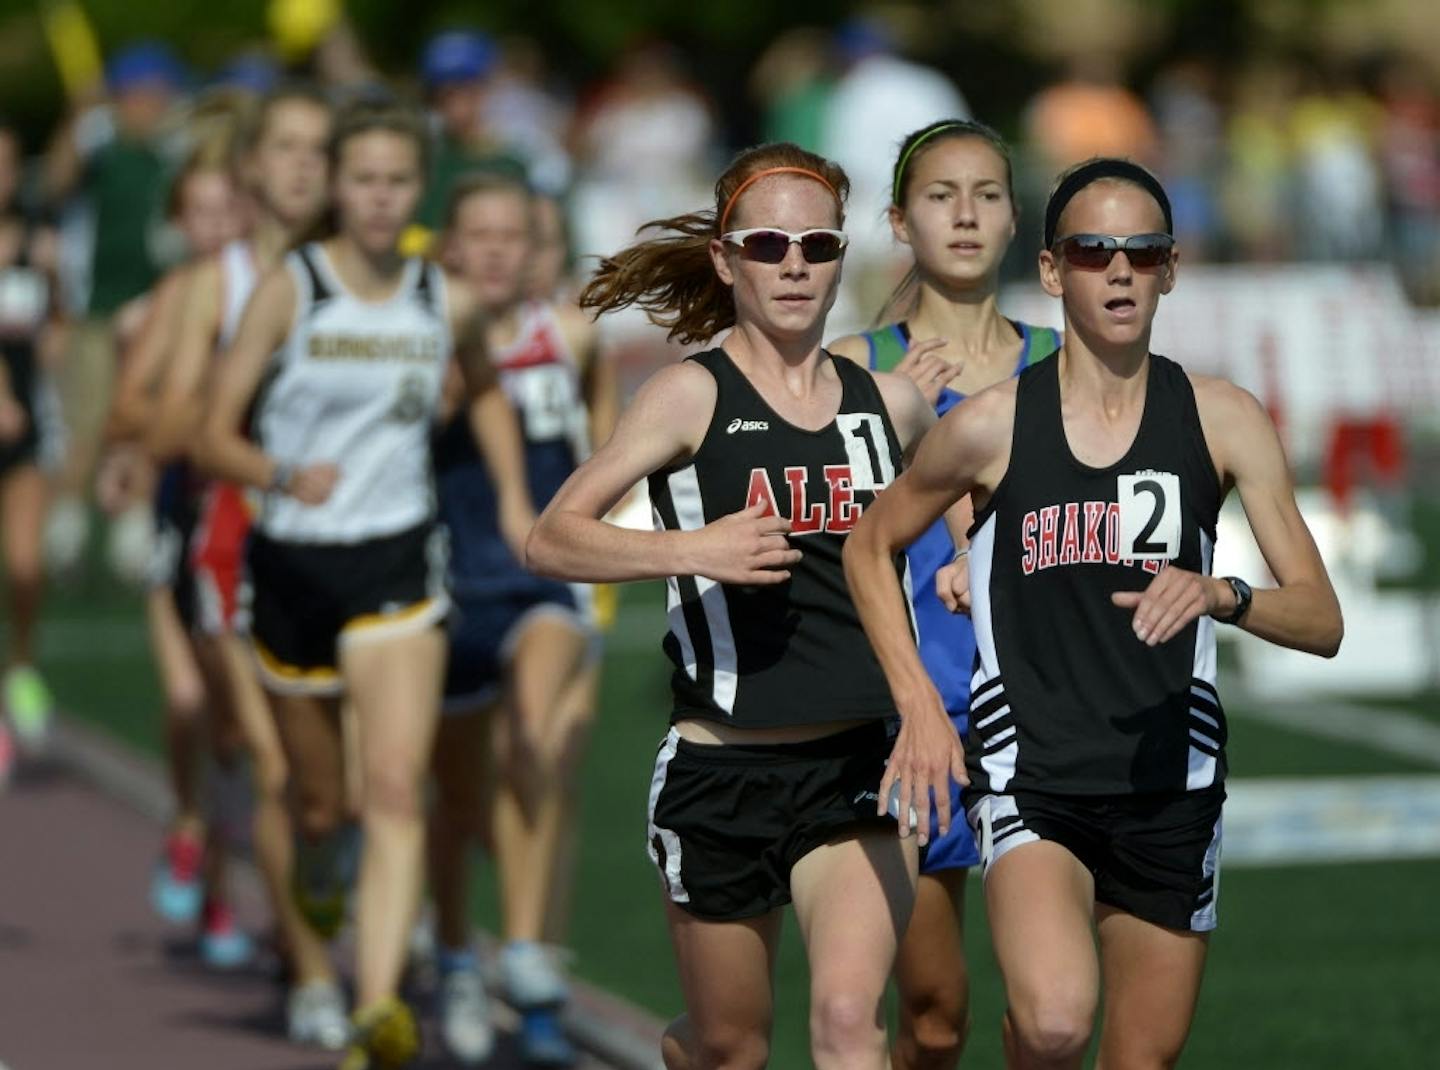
(1149, 516)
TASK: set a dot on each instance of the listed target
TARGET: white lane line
(1396, 732)
(1294, 820)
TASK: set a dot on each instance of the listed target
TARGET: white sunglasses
(770, 246)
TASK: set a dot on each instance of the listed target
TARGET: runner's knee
(729, 1047)
(844, 1020)
(933, 1028)
(271, 773)
(392, 789)
(1053, 1027)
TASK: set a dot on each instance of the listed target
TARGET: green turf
(1332, 966)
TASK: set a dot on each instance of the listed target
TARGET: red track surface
(90, 978)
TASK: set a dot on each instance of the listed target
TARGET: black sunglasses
(1093, 252)
(770, 246)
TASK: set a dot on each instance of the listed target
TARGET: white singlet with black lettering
(794, 652)
(356, 384)
(1064, 698)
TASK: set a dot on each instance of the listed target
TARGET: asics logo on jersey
(836, 512)
(738, 424)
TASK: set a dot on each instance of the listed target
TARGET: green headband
(905, 157)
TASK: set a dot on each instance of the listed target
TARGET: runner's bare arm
(852, 347)
(664, 425)
(597, 372)
(468, 326)
(496, 431)
(909, 412)
(1302, 612)
(133, 408)
(961, 453)
(222, 447)
(178, 409)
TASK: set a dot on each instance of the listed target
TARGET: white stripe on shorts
(674, 886)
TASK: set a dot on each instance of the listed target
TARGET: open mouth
(1121, 307)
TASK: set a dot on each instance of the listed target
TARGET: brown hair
(672, 277)
(287, 93)
(211, 156)
(477, 183)
(904, 299)
(356, 120)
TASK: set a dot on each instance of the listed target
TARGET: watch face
(1242, 597)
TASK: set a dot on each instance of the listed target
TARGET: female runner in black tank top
(761, 455)
(1096, 756)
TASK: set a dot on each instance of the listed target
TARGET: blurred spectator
(879, 98)
(1410, 161)
(111, 163)
(1191, 157)
(792, 82)
(1088, 113)
(645, 144)
(456, 68)
(1256, 188)
(528, 116)
(252, 71)
(1337, 175)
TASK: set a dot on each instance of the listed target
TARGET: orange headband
(725, 215)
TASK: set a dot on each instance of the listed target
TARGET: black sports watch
(1243, 596)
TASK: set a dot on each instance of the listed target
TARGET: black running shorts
(299, 601)
(1156, 856)
(728, 823)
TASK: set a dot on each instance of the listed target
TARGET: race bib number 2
(1149, 516)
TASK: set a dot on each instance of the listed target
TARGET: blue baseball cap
(861, 37)
(254, 71)
(456, 56)
(146, 62)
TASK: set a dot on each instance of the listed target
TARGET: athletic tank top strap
(429, 288)
(239, 276)
(887, 345)
(319, 289)
(1199, 471)
(1032, 438)
(1039, 343)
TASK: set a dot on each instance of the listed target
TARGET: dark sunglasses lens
(1089, 252)
(1147, 252)
(820, 248)
(766, 246)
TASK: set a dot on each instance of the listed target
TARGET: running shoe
(531, 975)
(223, 944)
(315, 1015)
(542, 1040)
(30, 705)
(383, 1037)
(324, 872)
(465, 1018)
(67, 531)
(175, 891)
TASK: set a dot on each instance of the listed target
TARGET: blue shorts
(957, 848)
(484, 631)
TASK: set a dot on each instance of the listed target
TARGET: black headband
(1107, 167)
